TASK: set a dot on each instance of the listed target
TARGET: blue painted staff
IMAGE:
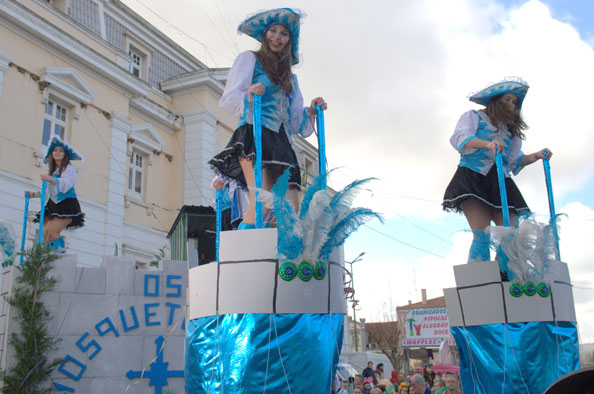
(42, 212)
(553, 219)
(502, 189)
(321, 144)
(24, 227)
(219, 220)
(258, 164)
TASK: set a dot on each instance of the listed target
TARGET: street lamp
(358, 258)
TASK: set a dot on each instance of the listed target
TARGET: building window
(54, 121)
(136, 64)
(136, 173)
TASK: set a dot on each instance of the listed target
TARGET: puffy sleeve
(515, 156)
(465, 131)
(300, 122)
(66, 181)
(239, 80)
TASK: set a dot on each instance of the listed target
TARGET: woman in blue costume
(478, 136)
(266, 73)
(62, 209)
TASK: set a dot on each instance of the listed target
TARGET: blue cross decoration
(158, 373)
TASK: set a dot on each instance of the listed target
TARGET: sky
(396, 76)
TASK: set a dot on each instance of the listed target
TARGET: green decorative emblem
(516, 290)
(543, 290)
(288, 271)
(319, 270)
(305, 271)
(529, 289)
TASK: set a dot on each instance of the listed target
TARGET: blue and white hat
(72, 153)
(255, 26)
(514, 85)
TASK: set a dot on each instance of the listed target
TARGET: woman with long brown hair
(62, 209)
(478, 137)
(266, 73)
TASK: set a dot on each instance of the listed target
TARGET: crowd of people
(372, 381)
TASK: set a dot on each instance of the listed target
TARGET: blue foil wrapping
(263, 353)
(515, 357)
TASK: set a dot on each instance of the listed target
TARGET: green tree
(32, 344)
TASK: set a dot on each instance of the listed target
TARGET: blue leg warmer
(479, 249)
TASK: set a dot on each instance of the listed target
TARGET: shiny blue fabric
(263, 353)
(515, 357)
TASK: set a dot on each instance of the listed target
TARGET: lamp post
(358, 258)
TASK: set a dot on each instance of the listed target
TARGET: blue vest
(481, 160)
(58, 196)
(276, 104)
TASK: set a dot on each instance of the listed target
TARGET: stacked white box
(246, 280)
(481, 297)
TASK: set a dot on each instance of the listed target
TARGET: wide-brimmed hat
(255, 26)
(72, 153)
(514, 85)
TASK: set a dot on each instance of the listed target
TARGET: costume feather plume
(316, 186)
(289, 243)
(345, 227)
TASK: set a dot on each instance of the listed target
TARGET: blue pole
(502, 189)
(321, 144)
(553, 219)
(24, 227)
(258, 163)
(219, 220)
(42, 212)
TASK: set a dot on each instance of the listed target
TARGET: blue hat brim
(255, 26)
(484, 97)
(72, 153)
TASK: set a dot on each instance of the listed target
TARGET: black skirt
(278, 155)
(66, 209)
(470, 184)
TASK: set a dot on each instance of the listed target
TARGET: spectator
(385, 385)
(344, 387)
(376, 390)
(438, 385)
(394, 378)
(404, 389)
(358, 390)
(368, 372)
(357, 382)
(366, 387)
(378, 373)
(429, 374)
(418, 385)
(451, 380)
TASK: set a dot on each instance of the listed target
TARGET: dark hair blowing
(52, 163)
(498, 112)
(277, 65)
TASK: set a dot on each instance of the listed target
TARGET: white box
(526, 308)
(246, 287)
(477, 273)
(297, 296)
(248, 245)
(563, 302)
(482, 305)
(202, 291)
(453, 307)
(337, 297)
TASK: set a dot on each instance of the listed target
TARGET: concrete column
(199, 149)
(114, 217)
(4, 62)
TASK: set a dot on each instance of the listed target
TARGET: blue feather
(317, 185)
(345, 227)
(346, 196)
(289, 244)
